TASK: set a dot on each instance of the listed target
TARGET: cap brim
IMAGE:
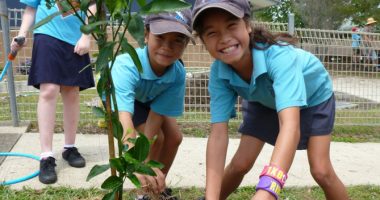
(231, 9)
(371, 22)
(165, 26)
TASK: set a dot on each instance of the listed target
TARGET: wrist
(276, 173)
(269, 185)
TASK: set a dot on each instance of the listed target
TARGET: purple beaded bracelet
(270, 185)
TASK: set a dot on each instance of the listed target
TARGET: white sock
(46, 154)
(67, 146)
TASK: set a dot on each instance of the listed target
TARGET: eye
(159, 37)
(180, 41)
(232, 25)
(210, 34)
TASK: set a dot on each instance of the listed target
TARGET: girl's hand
(83, 45)
(263, 195)
(153, 184)
(15, 46)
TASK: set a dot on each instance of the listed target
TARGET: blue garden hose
(27, 177)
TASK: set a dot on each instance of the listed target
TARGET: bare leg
(46, 114)
(172, 140)
(70, 98)
(318, 152)
(243, 160)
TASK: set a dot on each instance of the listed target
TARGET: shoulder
(219, 67)
(180, 71)
(124, 64)
(280, 54)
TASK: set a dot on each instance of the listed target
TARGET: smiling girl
(288, 102)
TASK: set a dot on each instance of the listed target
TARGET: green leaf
(105, 55)
(98, 112)
(158, 6)
(100, 87)
(84, 5)
(112, 183)
(141, 149)
(133, 178)
(96, 170)
(129, 158)
(132, 52)
(141, 3)
(117, 164)
(89, 28)
(117, 126)
(115, 6)
(143, 169)
(66, 6)
(155, 164)
(46, 20)
(136, 29)
(110, 196)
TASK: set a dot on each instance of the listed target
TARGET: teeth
(229, 49)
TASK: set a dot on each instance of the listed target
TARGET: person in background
(356, 41)
(368, 39)
(60, 52)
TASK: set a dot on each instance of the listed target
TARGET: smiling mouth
(229, 49)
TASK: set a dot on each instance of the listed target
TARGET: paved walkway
(355, 163)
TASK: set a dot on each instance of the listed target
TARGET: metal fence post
(6, 43)
(291, 23)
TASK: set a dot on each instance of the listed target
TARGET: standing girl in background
(150, 102)
(60, 52)
(288, 102)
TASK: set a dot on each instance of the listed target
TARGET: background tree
(359, 10)
(279, 13)
(320, 14)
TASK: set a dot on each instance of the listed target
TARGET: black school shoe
(47, 171)
(73, 157)
(165, 195)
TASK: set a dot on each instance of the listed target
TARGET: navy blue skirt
(54, 61)
(262, 122)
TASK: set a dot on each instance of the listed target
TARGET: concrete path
(355, 163)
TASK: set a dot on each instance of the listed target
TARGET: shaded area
(7, 141)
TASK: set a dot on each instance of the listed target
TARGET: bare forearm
(288, 138)
(27, 20)
(153, 124)
(285, 149)
(215, 160)
(128, 128)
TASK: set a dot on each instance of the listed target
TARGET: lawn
(367, 192)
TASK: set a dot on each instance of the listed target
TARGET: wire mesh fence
(355, 75)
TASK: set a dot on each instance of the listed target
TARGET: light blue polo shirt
(166, 93)
(283, 77)
(65, 27)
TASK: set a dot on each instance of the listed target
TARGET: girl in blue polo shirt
(60, 52)
(288, 102)
(150, 101)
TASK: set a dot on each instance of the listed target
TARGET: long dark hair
(261, 35)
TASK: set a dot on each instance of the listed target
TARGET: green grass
(366, 192)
